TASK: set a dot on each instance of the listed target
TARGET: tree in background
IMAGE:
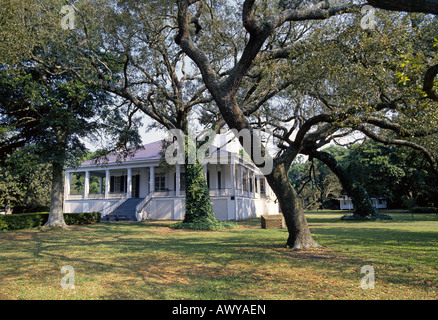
(401, 175)
(52, 112)
(10, 190)
(316, 184)
(33, 177)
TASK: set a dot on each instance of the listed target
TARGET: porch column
(129, 183)
(107, 183)
(86, 184)
(232, 181)
(67, 185)
(241, 180)
(151, 179)
(177, 180)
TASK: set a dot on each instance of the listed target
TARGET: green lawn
(148, 260)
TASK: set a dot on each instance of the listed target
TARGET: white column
(233, 182)
(129, 183)
(240, 180)
(86, 184)
(67, 185)
(177, 180)
(107, 183)
(151, 179)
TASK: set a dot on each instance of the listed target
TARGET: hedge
(207, 226)
(33, 220)
(424, 210)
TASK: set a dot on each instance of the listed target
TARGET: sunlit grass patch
(149, 260)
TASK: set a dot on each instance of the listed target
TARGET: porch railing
(113, 206)
(141, 208)
(94, 196)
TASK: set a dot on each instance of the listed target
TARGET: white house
(347, 204)
(140, 188)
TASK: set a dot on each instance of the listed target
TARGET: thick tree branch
(424, 6)
(429, 79)
(428, 155)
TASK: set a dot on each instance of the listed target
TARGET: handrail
(113, 206)
(143, 203)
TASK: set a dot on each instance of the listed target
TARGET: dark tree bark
(429, 78)
(424, 6)
(359, 196)
(292, 209)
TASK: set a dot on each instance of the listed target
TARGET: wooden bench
(275, 221)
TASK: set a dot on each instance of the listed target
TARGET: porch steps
(126, 211)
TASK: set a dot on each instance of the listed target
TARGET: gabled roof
(150, 151)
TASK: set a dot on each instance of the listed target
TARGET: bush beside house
(33, 220)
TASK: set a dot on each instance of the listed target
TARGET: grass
(149, 260)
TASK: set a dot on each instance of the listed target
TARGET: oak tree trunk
(292, 209)
(56, 215)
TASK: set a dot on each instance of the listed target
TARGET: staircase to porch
(125, 212)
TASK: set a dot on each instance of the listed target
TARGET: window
(262, 186)
(118, 184)
(160, 183)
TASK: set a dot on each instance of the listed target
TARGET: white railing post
(177, 180)
(140, 209)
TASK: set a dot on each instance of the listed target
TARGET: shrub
(33, 220)
(210, 226)
(424, 210)
(358, 217)
(82, 218)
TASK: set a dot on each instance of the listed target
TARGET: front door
(136, 186)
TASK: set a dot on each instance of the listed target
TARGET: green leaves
(198, 206)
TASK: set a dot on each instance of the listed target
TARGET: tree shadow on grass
(152, 261)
